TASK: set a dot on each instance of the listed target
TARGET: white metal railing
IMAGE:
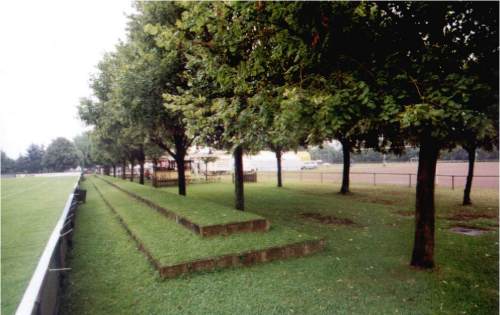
(43, 291)
(408, 179)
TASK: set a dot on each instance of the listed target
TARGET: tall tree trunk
(132, 170)
(114, 170)
(181, 175)
(180, 155)
(238, 179)
(423, 248)
(124, 168)
(206, 171)
(141, 172)
(106, 170)
(153, 176)
(278, 161)
(346, 151)
(141, 160)
(470, 175)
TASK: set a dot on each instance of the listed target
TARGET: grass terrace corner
(174, 250)
(204, 218)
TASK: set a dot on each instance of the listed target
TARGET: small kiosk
(165, 174)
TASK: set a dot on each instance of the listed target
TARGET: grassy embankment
(201, 213)
(170, 243)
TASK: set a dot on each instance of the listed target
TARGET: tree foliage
(83, 144)
(244, 76)
(60, 156)
(8, 165)
(33, 161)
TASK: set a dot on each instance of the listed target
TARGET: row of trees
(333, 155)
(59, 156)
(245, 76)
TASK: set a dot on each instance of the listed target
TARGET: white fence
(42, 296)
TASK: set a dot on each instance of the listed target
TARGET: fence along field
(31, 206)
(452, 175)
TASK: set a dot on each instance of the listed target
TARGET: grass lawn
(203, 214)
(170, 243)
(363, 270)
(31, 207)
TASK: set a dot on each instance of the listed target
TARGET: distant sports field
(31, 207)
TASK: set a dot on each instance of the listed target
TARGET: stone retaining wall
(248, 258)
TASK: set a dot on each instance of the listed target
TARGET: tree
(345, 112)
(22, 164)
(207, 159)
(31, 162)
(8, 165)
(318, 56)
(279, 136)
(242, 50)
(471, 144)
(483, 64)
(60, 156)
(115, 140)
(422, 57)
(222, 77)
(341, 81)
(104, 152)
(116, 136)
(83, 145)
(34, 156)
(154, 62)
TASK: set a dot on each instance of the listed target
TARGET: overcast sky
(48, 49)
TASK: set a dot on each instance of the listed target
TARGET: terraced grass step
(173, 250)
(205, 219)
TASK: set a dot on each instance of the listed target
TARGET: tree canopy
(60, 156)
(244, 76)
(8, 165)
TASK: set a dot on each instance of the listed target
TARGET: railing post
(452, 182)
(375, 179)
(409, 181)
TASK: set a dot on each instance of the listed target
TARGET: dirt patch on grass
(405, 213)
(327, 219)
(388, 202)
(486, 227)
(467, 216)
(469, 230)
(378, 200)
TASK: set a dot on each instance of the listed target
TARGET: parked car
(309, 165)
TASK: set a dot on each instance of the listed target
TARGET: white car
(309, 165)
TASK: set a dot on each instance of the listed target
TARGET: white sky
(48, 49)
